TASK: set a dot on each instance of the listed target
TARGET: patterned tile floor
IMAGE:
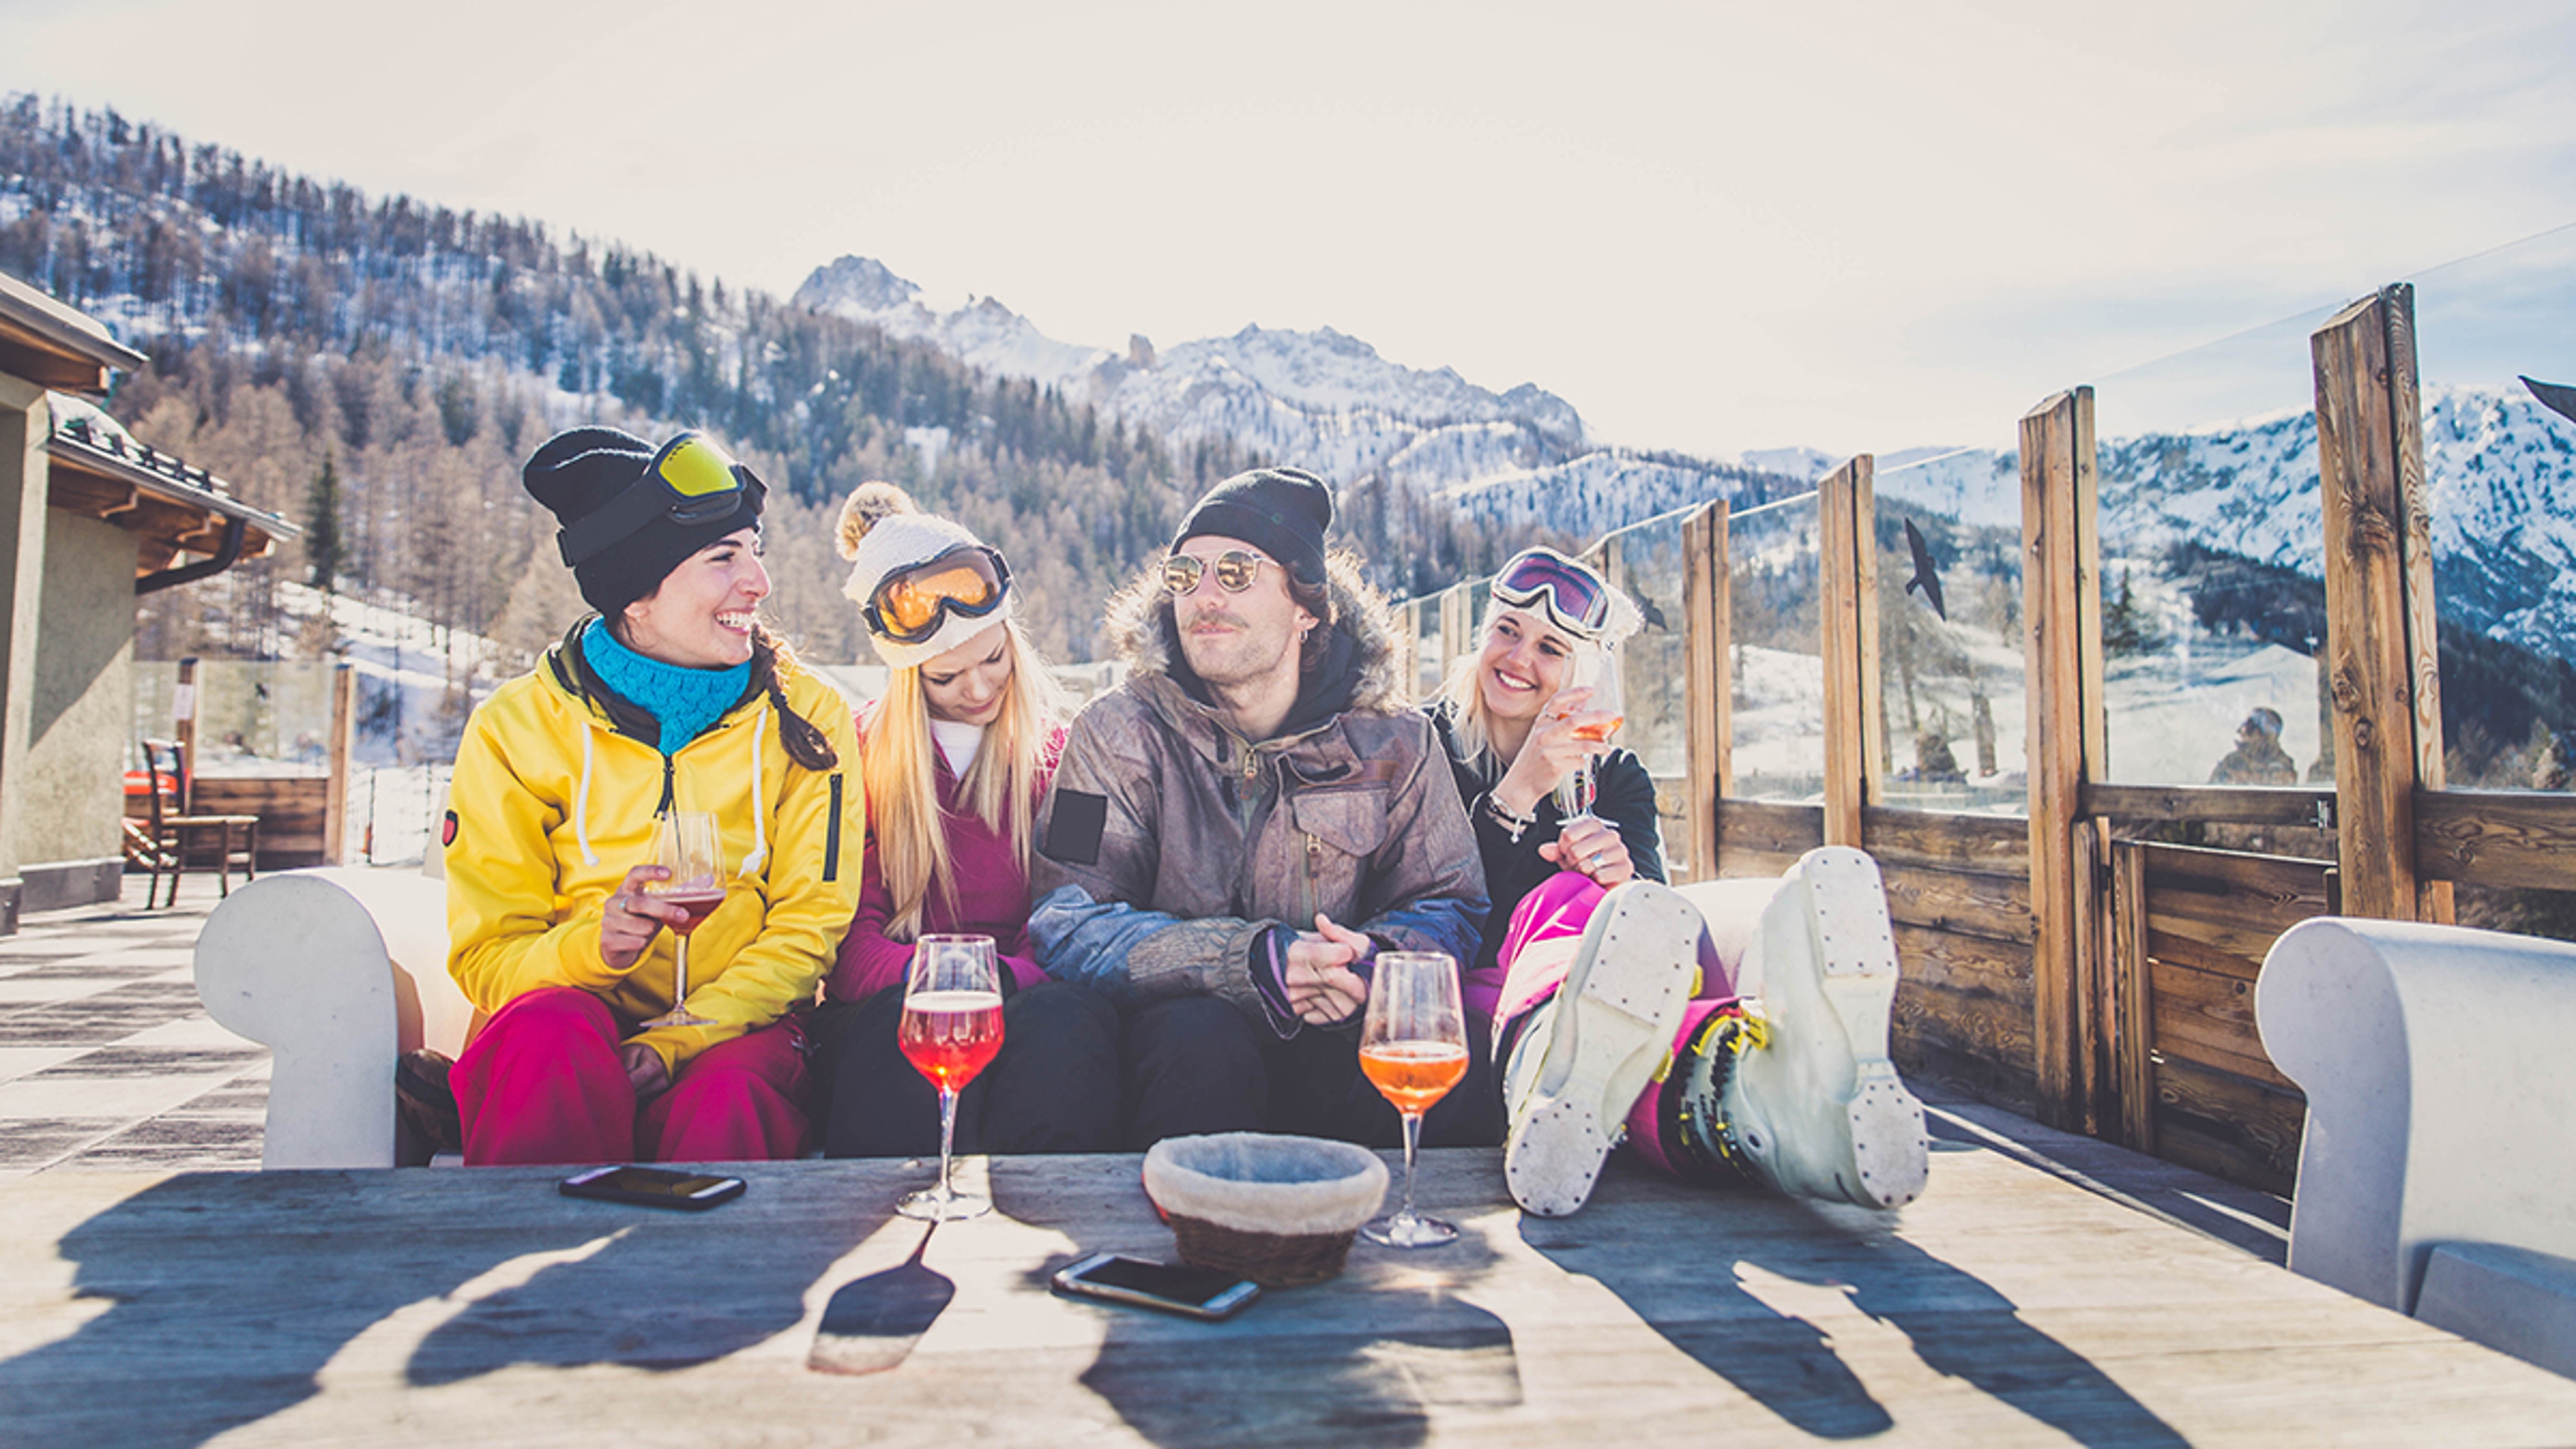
(107, 1058)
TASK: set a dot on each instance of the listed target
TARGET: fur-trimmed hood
(1141, 632)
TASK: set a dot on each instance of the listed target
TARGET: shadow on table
(209, 1327)
(228, 1294)
(1959, 1326)
(1333, 1363)
(668, 1291)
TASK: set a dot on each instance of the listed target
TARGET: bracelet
(1513, 824)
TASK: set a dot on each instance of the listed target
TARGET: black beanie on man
(576, 471)
(1281, 511)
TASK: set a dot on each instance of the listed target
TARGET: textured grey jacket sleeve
(1090, 922)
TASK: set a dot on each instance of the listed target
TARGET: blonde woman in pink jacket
(955, 758)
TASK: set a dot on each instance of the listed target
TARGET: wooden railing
(2055, 961)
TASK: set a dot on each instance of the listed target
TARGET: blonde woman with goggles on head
(1616, 1017)
(956, 757)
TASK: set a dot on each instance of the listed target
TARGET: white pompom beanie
(898, 541)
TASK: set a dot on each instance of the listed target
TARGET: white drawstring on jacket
(751, 863)
(581, 799)
(759, 856)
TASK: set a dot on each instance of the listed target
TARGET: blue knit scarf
(682, 700)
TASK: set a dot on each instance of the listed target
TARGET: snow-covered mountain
(2503, 475)
(1324, 400)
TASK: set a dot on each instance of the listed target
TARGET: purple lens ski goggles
(1576, 598)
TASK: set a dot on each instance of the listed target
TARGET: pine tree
(322, 545)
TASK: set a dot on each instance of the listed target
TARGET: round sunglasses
(1235, 569)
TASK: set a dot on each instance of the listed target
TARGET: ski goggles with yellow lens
(1577, 600)
(690, 482)
(909, 606)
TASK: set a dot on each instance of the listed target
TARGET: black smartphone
(653, 1187)
(1171, 1287)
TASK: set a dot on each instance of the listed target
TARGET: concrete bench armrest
(2441, 1089)
(338, 972)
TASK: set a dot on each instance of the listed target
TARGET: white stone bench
(2437, 1176)
(338, 972)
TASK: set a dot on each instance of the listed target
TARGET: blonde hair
(905, 822)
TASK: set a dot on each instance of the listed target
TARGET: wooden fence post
(1848, 588)
(183, 730)
(344, 723)
(2384, 670)
(1710, 691)
(2061, 632)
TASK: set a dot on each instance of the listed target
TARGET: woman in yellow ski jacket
(673, 698)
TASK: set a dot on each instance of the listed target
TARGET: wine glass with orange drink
(687, 844)
(951, 1028)
(1413, 1048)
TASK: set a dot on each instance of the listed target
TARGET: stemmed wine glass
(687, 844)
(1413, 1048)
(952, 1026)
(1576, 792)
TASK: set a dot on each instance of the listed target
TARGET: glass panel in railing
(1654, 674)
(2212, 558)
(1775, 658)
(1953, 707)
(254, 717)
(2496, 347)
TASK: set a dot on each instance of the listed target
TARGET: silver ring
(1597, 857)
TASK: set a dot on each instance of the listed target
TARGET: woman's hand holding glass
(631, 918)
(1564, 739)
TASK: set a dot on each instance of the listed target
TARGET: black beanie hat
(1281, 511)
(578, 470)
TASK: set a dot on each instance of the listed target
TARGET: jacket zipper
(667, 782)
(832, 834)
(1314, 859)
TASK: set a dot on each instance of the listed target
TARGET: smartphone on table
(661, 1187)
(1172, 1287)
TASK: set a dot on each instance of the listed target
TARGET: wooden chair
(168, 831)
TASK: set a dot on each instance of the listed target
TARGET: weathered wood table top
(458, 1307)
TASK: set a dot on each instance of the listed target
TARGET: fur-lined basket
(1277, 1210)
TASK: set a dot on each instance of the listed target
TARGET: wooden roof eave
(56, 346)
(174, 517)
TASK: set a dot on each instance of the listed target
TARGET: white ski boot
(1813, 1106)
(1585, 1055)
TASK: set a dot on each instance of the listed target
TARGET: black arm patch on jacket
(1073, 835)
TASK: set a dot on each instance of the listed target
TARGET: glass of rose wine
(1413, 1048)
(952, 1027)
(1593, 671)
(1576, 792)
(687, 844)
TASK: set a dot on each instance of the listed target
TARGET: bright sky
(1710, 226)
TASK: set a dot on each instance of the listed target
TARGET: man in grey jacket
(1238, 829)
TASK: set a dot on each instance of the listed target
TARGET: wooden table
(458, 1307)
